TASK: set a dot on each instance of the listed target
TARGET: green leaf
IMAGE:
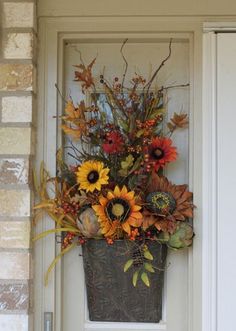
(135, 278)
(145, 279)
(149, 267)
(128, 264)
(124, 125)
(136, 165)
(148, 255)
(155, 112)
(128, 162)
(140, 133)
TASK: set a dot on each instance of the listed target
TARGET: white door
(226, 262)
(143, 57)
(60, 39)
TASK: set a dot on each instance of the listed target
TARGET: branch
(126, 63)
(148, 85)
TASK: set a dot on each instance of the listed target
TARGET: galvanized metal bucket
(110, 292)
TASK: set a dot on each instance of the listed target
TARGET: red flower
(161, 152)
(113, 143)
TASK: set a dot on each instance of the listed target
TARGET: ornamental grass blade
(46, 233)
(54, 262)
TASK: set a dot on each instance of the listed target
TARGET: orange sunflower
(161, 152)
(117, 212)
(166, 204)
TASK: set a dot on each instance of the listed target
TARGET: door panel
(143, 57)
(226, 160)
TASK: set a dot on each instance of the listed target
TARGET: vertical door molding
(218, 260)
(209, 198)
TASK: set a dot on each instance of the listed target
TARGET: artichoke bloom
(87, 223)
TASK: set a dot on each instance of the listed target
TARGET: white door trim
(210, 174)
(52, 30)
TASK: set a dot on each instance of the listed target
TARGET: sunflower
(167, 204)
(92, 175)
(117, 212)
(161, 152)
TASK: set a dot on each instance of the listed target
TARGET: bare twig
(59, 92)
(148, 85)
(174, 86)
(126, 63)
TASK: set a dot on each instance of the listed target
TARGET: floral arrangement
(116, 188)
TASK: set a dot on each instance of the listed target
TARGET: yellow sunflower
(117, 212)
(92, 175)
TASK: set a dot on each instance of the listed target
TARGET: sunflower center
(93, 176)
(157, 153)
(118, 209)
(161, 202)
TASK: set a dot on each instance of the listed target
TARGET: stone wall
(17, 98)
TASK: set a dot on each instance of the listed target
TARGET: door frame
(210, 174)
(52, 35)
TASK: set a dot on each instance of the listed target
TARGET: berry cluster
(70, 207)
(68, 239)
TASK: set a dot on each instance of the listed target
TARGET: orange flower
(117, 212)
(161, 152)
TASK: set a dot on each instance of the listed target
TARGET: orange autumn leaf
(178, 121)
(75, 120)
(84, 75)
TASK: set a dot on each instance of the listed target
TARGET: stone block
(18, 46)
(14, 171)
(14, 235)
(14, 297)
(13, 322)
(15, 203)
(17, 109)
(14, 265)
(15, 140)
(16, 77)
(18, 15)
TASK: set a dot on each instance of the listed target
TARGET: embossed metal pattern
(110, 292)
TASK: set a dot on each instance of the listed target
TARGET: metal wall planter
(110, 292)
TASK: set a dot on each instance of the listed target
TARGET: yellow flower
(92, 175)
(117, 212)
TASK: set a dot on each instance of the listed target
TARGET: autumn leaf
(84, 75)
(178, 121)
(75, 120)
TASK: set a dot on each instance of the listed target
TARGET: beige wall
(17, 94)
(137, 7)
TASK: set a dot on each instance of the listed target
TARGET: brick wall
(17, 98)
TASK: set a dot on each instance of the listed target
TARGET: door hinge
(48, 321)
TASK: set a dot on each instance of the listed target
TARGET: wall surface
(136, 7)
(17, 72)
